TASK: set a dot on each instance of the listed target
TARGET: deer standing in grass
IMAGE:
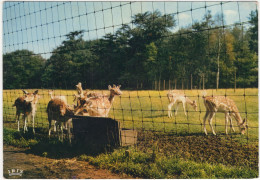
(226, 106)
(27, 105)
(64, 99)
(98, 105)
(59, 111)
(176, 96)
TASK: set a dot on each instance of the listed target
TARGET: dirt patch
(200, 148)
(35, 167)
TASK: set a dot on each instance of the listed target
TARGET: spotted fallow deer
(99, 106)
(81, 94)
(27, 105)
(176, 96)
(224, 105)
(82, 97)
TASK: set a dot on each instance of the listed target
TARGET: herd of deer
(99, 105)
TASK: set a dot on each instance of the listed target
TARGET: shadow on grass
(40, 144)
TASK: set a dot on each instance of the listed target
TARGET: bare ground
(35, 167)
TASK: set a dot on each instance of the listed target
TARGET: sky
(41, 26)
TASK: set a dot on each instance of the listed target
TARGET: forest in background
(142, 52)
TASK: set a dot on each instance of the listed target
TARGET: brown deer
(99, 105)
(27, 105)
(224, 105)
(63, 98)
(176, 96)
(59, 111)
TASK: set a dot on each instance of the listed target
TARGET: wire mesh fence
(197, 49)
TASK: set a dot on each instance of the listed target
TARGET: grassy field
(174, 148)
(147, 110)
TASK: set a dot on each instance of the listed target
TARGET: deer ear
(25, 92)
(35, 92)
(119, 86)
(109, 87)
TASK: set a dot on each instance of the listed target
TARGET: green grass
(148, 165)
(148, 110)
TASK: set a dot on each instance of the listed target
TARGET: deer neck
(238, 117)
(111, 98)
(189, 101)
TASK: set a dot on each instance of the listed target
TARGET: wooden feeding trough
(101, 132)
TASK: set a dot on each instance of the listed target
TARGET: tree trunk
(191, 81)
(235, 83)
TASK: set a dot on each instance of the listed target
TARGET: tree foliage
(22, 69)
(148, 50)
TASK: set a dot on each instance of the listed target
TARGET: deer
(86, 94)
(176, 96)
(224, 105)
(99, 106)
(81, 97)
(59, 111)
(63, 98)
(27, 105)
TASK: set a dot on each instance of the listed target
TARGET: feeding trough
(101, 132)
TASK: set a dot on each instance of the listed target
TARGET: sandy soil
(35, 167)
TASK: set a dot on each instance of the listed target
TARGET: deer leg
(49, 126)
(170, 109)
(210, 122)
(231, 124)
(25, 123)
(18, 122)
(55, 126)
(204, 121)
(176, 109)
(226, 123)
(33, 123)
(69, 122)
(183, 105)
(17, 116)
(61, 128)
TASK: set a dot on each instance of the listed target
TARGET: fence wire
(144, 46)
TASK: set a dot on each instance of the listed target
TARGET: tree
(253, 31)
(22, 69)
(148, 28)
(70, 63)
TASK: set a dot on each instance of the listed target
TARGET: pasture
(147, 110)
(176, 141)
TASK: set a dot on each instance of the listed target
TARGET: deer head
(29, 97)
(79, 89)
(115, 90)
(194, 104)
(243, 126)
